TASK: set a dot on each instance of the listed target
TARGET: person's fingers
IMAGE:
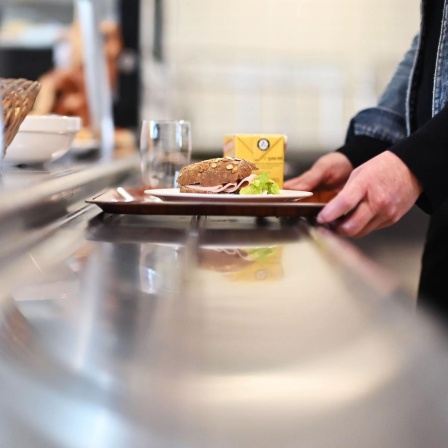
(361, 221)
(379, 222)
(375, 224)
(344, 202)
(356, 223)
(290, 183)
(307, 181)
(376, 195)
(329, 171)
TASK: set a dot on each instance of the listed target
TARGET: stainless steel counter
(33, 199)
(137, 331)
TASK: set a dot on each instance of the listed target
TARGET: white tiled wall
(299, 67)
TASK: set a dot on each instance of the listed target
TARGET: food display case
(36, 39)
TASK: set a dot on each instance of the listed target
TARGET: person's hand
(376, 195)
(330, 171)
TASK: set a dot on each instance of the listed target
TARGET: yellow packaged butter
(267, 151)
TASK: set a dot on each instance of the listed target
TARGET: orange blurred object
(64, 89)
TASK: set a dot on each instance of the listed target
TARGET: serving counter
(123, 330)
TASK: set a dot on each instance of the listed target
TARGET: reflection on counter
(252, 264)
(159, 266)
(161, 271)
(149, 339)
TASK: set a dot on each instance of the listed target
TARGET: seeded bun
(212, 172)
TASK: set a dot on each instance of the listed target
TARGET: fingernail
(320, 219)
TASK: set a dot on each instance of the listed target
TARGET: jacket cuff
(431, 173)
(361, 148)
(378, 123)
(425, 154)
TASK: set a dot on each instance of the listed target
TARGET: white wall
(299, 67)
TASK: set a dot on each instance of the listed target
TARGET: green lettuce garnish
(261, 185)
(261, 253)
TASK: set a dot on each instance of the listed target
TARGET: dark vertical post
(128, 94)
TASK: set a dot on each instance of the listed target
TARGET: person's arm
(425, 153)
(377, 194)
(376, 129)
(371, 132)
(381, 188)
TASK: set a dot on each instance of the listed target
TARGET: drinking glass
(165, 147)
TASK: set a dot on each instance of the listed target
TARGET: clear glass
(165, 147)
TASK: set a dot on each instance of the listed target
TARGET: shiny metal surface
(120, 331)
(34, 197)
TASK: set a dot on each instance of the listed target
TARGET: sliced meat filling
(225, 188)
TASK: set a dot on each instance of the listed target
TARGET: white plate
(173, 194)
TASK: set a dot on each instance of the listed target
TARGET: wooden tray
(133, 200)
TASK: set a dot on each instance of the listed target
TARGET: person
(396, 155)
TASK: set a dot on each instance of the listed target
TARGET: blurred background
(297, 67)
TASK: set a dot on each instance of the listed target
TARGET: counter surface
(172, 331)
(163, 331)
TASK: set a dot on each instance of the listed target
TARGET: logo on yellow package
(267, 151)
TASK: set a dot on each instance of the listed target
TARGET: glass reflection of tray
(132, 200)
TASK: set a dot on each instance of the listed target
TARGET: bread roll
(212, 172)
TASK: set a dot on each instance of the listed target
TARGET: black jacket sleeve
(425, 153)
(360, 148)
